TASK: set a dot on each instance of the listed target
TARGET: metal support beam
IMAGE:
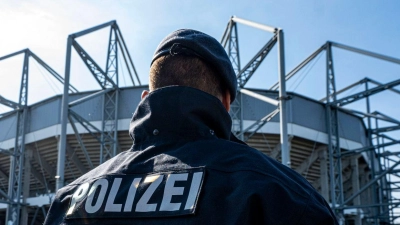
(371, 155)
(365, 80)
(35, 215)
(8, 103)
(367, 53)
(247, 72)
(4, 175)
(373, 115)
(275, 152)
(4, 194)
(385, 129)
(277, 149)
(124, 51)
(109, 137)
(282, 101)
(13, 54)
(80, 142)
(335, 162)
(93, 29)
(346, 88)
(360, 95)
(7, 113)
(386, 117)
(346, 178)
(260, 97)
(109, 132)
(226, 36)
(17, 159)
(6, 152)
(72, 156)
(93, 130)
(252, 129)
(98, 73)
(363, 149)
(255, 25)
(379, 83)
(39, 176)
(91, 96)
(232, 40)
(389, 153)
(64, 119)
(52, 72)
(107, 79)
(44, 164)
(43, 64)
(317, 183)
(309, 161)
(299, 67)
(385, 137)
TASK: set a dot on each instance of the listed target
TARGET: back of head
(191, 58)
(185, 70)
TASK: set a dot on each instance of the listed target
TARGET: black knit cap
(196, 43)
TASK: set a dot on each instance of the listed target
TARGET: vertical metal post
(17, 159)
(116, 94)
(335, 161)
(236, 106)
(64, 119)
(371, 158)
(282, 101)
(115, 146)
(109, 135)
(391, 199)
(356, 186)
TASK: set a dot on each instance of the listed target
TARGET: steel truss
(383, 168)
(108, 80)
(18, 170)
(380, 207)
(106, 135)
(230, 41)
(383, 164)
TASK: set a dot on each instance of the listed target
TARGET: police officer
(185, 166)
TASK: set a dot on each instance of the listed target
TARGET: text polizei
(147, 195)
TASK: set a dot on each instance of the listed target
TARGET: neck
(178, 110)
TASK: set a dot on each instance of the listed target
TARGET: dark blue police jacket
(185, 168)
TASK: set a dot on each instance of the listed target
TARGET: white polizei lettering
(142, 205)
(110, 206)
(103, 185)
(194, 188)
(79, 194)
(131, 195)
(171, 190)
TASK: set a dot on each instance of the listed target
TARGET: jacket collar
(178, 111)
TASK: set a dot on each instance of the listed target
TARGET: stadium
(342, 152)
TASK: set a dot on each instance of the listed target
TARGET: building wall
(302, 112)
(305, 112)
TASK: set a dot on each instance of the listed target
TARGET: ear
(144, 93)
(226, 100)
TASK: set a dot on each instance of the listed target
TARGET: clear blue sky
(43, 26)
